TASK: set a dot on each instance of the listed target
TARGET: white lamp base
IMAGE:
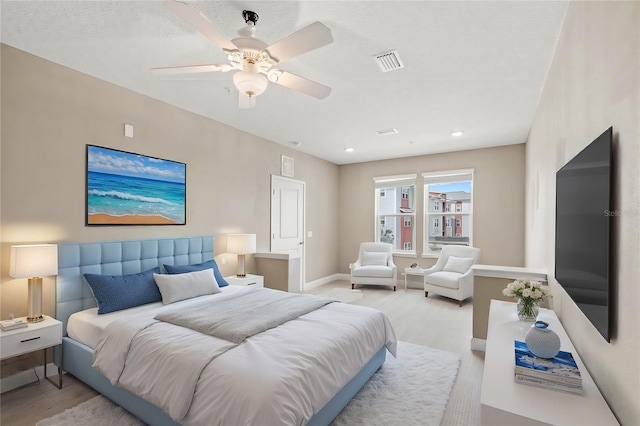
(35, 300)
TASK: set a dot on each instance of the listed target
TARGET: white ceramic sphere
(542, 341)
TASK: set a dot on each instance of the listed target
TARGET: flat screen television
(583, 212)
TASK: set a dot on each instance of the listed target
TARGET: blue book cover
(562, 368)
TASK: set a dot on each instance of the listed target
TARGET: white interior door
(287, 220)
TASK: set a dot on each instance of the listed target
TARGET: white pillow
(178, 287)
(458, 264)
(374, 258)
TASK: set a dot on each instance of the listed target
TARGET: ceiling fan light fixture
(250, 84)
(251, 58)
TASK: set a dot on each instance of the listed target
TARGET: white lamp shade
(250, 84)
(241, 243)
(38, 260)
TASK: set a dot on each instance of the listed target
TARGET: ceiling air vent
(386, 132)
(389, 61)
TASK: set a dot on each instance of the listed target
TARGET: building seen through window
(456, 229)
(395, 209)
(447, 212)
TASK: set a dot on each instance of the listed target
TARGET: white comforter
(281, 376)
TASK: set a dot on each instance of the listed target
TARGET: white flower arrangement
(530, 292)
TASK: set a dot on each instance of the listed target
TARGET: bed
(334, 353)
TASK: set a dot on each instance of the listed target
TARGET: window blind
(448, 176)
(394, 181)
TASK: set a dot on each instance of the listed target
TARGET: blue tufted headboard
(117, 258)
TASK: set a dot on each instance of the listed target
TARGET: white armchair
(374, 266)
(452, 276)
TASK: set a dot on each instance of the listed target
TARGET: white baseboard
(336, 277)
(26, 377)
(325, 280)
(478, 344)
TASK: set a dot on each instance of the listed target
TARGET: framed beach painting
(124, 188)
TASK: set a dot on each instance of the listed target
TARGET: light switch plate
(128, 130)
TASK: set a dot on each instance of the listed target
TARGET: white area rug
(410, 390)
(98, 411)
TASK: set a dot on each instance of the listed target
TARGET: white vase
(542, 341)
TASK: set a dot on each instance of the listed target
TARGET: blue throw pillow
(118, 292)
(211, 264)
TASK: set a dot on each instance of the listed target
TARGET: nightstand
(249, 280)
(36, 336)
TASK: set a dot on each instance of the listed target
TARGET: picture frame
(125, 188)
(287, 166)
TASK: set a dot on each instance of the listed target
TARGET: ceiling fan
(251, 59)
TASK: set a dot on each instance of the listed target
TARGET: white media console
(505, 402)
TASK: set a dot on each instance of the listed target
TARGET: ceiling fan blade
(190, 69)
(197, 20)
(246, 102)
(300, 84)
(305, 40)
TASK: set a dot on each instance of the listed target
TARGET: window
(454, 191)
(395, 211)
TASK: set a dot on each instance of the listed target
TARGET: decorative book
(560, 372)
(13, 324)
(546, 384)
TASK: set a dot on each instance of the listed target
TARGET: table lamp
(241, 244)
(34, 262)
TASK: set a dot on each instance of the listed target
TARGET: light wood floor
(435, 321)
(30, 404)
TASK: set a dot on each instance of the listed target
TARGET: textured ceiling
(471, 65)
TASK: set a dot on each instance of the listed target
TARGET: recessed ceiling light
(296, 143)
(348, 149)
(457, 133)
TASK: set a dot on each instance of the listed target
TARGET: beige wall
(49, 114)
(498, 202)
(276, 273)
(594, 83)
